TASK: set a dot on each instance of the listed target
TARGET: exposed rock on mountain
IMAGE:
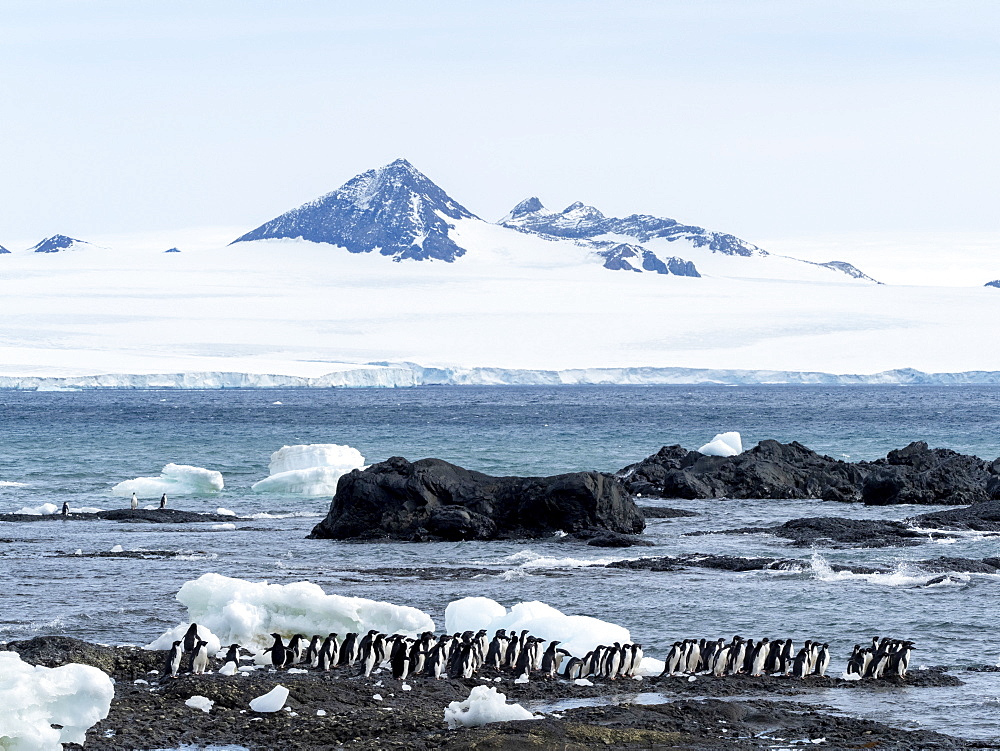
(3, 250)
(56, 244)
(394, 210)
(994, 283)
(628, 257)
(433, 500)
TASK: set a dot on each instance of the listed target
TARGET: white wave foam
(289, 515)
(529, 559)
(224, 512)
(175, 479)
(225, 527)
(904, 575)
(12, 484)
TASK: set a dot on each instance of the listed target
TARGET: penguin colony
(462, 655)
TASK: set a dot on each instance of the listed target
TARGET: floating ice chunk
(200, 702)
(228, 669)
(11, 484)
(117, 549)
(166, 640)
(309, 470)
(85, 510)
(578, 634)
(45, 509)
(484, 705)
(176, 479)
(247, 613)
(34, 698)
(473, 613)
(724, 444)
(272, 701)
(226, 526)
(224, 512)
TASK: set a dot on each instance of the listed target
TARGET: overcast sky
(765, 119)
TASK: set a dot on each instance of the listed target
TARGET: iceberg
(310, 470)
(577, 634)
(724, 444)
(484, 705)
(175, 479)
(35, 698)
(246, 613)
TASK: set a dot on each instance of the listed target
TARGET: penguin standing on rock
(174, 659)
(191, 638)
(135, 501)
(278, 652)
(163, 501)
(199, 658)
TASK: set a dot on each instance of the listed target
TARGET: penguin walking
(278, 652)
(199, 658)
(174, 659)
(328, 653)
(135, 501)
(191, 638)
(232, 654)
(163, 501)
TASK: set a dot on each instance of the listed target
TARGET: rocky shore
(332, 710)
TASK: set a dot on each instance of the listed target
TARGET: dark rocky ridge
(433, 500)
(914, 474)
(153, 714)
(138, 516)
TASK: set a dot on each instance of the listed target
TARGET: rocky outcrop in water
(915, 474)
(433, 500)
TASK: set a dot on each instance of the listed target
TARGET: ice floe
(484, 705)
(309, 470)
(724, 444)
(577, 634)
(246, 613)
(272, 701)
(175, 479)
(200, 702)
(35, 698)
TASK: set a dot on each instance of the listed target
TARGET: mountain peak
(3, 250)
(395, 209)
(527, 207)
(56, 243)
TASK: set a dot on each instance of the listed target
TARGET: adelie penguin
(191, 638)
(135, 502)
(278, 652)
(199, 658)
(174, 659)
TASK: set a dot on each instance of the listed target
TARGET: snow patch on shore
(175, 479)
(34, 698)
(311, 470)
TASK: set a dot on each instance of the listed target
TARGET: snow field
(34, 698)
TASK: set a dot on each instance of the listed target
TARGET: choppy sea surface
(74, 447)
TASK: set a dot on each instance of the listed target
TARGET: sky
(770, 119)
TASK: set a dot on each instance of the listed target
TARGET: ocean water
(73, 447)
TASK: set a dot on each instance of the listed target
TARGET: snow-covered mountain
(57, 244)
(394, 210)
(3, 250)
(398, 212)
(994, 283)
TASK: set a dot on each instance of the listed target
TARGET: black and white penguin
(497, 649)
(191, 637)
(329, 653)
(800, 665)
(174, 659)
(199, 657)
(349, 650)
(550, 665)
(672, 665)
(312, 651)
(65, 508)
(761, 655)
(232, 654)
(163, 501)
(399, 660)
(296, 650)
(135, 502)
(822, 661)
(574, 669)
(720, 659)
(900, 661)
(278, 652)
(748, 655)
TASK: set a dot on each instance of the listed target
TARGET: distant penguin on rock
(163, 501)
(174, 659)
(199, 658)
(135, 502)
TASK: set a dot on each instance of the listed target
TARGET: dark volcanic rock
(830, 530)
(769, 470)
(979, 517)
(431, 499)
(915, 474)
(617, 541)
(662, 512)
(918, 474)
(138, 516)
